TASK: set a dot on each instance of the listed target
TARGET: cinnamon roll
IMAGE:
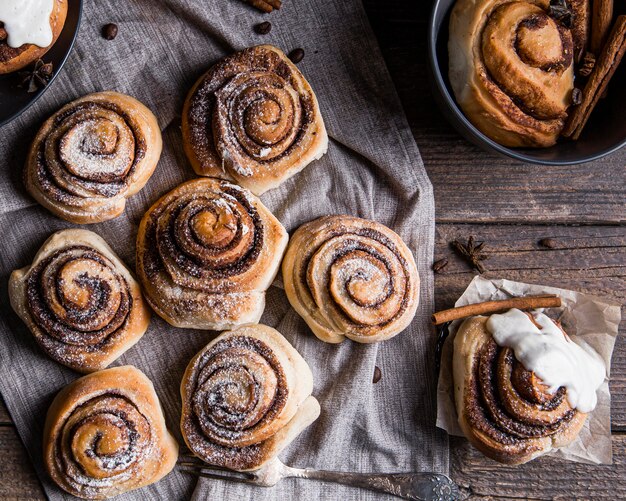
(508, 406)
(254, 119)
(28, 30)
(246, 396)
(206, 253)
(79, 300)
(511, 69)
(351, 278)
(91, 155)
(105, 434)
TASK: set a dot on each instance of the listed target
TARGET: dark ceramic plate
(13, 99)
(604, 133)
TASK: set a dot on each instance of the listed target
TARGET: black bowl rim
(35, 98)
(480, 138)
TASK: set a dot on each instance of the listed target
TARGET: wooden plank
(19, 480)
(589, 259)
(5, 418)
(544, 478)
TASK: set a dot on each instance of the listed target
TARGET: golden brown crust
(91, 155)
(206, 253)
(503, 409)
(105, 434)
(246, 396)
(13, 59)
(79, 300)
(511, 69)
(253, 118)
(351, 278)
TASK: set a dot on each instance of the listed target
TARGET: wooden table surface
(511, 206)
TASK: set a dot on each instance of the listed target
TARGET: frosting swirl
(504, 408)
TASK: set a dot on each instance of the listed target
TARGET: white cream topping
(27, 21)
(551, 355)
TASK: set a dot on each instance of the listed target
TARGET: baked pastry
(511, 69)
(351, 278)
(246, 396)
(206, 253)
(522, 388)
(79, 300)
(254, 119)
(91, 155)
(28, 30)
(105, 435)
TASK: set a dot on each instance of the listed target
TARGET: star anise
(37, 77)
(471, 252)
(560, 11)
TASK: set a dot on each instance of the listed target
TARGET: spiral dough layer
(504, 409)
(80, 302)
(246, 396)
(105, 435)
(254, 119)
(349, 277)
(206, 253)
(91, 155)
(511, 69)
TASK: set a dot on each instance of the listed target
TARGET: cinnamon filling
(360, 277)
(251, 113)
(102, 443)
(510, 404)
(92, 151)
(237, 390)
(78, 300)
(205, 237)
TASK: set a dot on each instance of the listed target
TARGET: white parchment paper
(585, 318)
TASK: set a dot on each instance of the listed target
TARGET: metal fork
(420, 486)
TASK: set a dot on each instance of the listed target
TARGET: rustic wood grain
(541, 479)
(17, 476)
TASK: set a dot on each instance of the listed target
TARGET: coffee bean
(263, 28)
(296, 55)
(549, 243)
(577, 96)
(109, 31)
(377, 375)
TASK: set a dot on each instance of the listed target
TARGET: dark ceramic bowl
(14, 100)
(604, 133)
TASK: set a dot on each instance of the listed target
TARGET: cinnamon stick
(489, 307)
(581, 22)
(600, 23)
(603, 70)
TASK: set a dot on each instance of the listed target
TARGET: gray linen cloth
(372, 169)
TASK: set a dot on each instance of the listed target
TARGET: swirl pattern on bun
(206, 253)
(254, 119)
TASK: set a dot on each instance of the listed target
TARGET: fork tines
(193, 466)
